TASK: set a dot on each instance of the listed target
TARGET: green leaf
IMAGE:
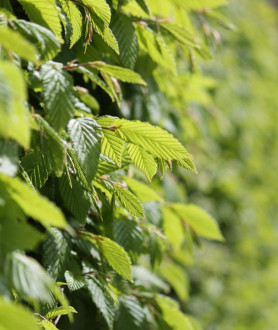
(16, 235)
(58, 94)
(86, 143)
(47, 325)
(33, 204)
(102, 301)
(53, 148)
(100, 8)
(14, 116)
(202, 223)
(153, 139)
(180, 33)
(14, 316)
(173, 228)
(45, 13)
(71, 194)
(74, 281)
(130, 314)
(56, 251)
(8, 157)
(62, 310)
(15, 42)
(112, 146)
(104, 31)
(44, 40)
(142, 191)
(75, 19)
(116, 256)
(172, 315)
(37, 168)
(177, 278)
(144, 5)
(145, 278)
(156, 48)
(124, 32)
(118, 72)
(143, 160)
(129, 201)
(28, 277)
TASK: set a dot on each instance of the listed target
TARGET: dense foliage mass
(100, 209)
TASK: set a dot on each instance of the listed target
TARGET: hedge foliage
(102, 105)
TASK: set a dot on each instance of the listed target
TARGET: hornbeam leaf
(15, 316)
(74, 281)
(47, 325)
(86, 143)
(100, 8)
(14, 115)
(112, 146)
(142, 159)
(52, 146)
(130, 202)
(45, 13)
(15, 42)
(120, 73)
(124, 32)
(172, 315)
(153, 139)
(44, 40)
(142, 191)
(75, 19)
(8, 157)
(116, 256)
(202, 223)
(33, 204)
(58, 94)
(199, 4)
(62, 310)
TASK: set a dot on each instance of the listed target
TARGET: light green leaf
(153, 139)
(143, 160)
(75, 19)
(58, 94)
(14, 316)
(86, 143)
(142, 191)
(172, 315)
(202, 223)
(33, 204)
(144, 5)
(14, 116)
(116, 256)
(112, 146)
(100, 8)
(15, 42)
(118, 72)
(173, 228)
(130, 202)
(44, 40)
(45, 13)
(156, 48)
(16, 235)
(62, 310)
(177, 278)
(47, 325)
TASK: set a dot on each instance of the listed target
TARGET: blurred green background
(235, 285)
